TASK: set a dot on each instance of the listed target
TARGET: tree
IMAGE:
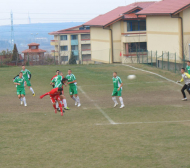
(72, 60)
(15, 53)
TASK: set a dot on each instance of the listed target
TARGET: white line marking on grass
(98, 107)
(151, 122)
(154, 74)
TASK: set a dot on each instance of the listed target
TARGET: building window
(135, 25)
(137, 47)
(74, 37)
(64, 58)
(74, 47)
(64, 48)
(63, 37)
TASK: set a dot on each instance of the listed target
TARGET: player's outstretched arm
(42, 96)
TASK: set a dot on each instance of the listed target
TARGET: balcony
(86, 51)
(54, 53)
(74, 42)
(54, 42)
(85, 41)
(133, 37)
(75, 52)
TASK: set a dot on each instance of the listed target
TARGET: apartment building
(73, 41)
(118, 33)
(168, 27)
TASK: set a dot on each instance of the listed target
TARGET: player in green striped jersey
(117, 84)
(27, 76)
(73, 88)
(21, 84)
(188, 67)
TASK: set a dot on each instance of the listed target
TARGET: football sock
(78, 100)
(21, 99)
(54, 106)
(60, 106)
(24, 99)
(114, 99)
(65, 102)
(57, 104)
(31, 90)
(121, 100)
(74, 98)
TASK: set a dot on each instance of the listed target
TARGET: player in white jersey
(186, 79)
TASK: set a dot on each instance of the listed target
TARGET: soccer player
(188, 67)
(59, 81)
(117, 84)
(73, 88)
(55, 96)
(186, 79)
(21, 84)
(27, 76)
(57, 73)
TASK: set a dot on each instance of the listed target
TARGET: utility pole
(12, 32)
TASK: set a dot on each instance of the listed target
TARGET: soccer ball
(131, 77)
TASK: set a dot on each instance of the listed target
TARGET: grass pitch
(153, 129)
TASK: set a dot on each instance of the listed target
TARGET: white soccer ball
(131, 77)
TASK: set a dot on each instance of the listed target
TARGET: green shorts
(73, 90)
(21, 91)
(28, 83)
(116, 93)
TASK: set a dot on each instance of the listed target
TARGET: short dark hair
(69, 69)
(20, 72)
(60, 89)
(64, 79)
(115, 72)
(56, 70)
(23, 65)
(183, 69)
(188, 61)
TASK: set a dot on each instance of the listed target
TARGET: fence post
(162, 59)
(175, 62)
(168, 61)
(156, 59)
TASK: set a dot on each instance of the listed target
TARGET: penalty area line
(98, 107)
(154, 74)
(151, 122)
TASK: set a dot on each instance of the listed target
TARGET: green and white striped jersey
(116, 82)
(26, 74)
(71, 78)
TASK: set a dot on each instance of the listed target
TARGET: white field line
(154, 74)
(98, 107)
(151, 122)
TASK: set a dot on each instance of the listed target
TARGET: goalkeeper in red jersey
(55, 96)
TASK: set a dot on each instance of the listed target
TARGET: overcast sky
(49, 11)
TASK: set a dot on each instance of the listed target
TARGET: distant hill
(27, 33)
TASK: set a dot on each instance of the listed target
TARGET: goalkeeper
(186, 79)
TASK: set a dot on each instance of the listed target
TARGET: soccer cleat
(76, 103)
(25, 105)
(185, 99)
(21, 102)
(115, 105)
(79, 105)
(67, 108)
(33, 94)
(55, 111)
(122, 106)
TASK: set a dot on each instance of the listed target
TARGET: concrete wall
(163, 34)
(100, 44)
(186, 29)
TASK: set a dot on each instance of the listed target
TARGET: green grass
(34, 136)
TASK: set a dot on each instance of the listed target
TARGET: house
(73, 41)
(34, 55)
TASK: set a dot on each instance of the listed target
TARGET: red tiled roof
(69, 32)
(33, 44)
(116, 14)
(133, 16)
(33, 51)
(165, 7)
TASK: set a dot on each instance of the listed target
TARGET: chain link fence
(166, 60)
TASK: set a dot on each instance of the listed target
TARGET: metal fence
(165, 60)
